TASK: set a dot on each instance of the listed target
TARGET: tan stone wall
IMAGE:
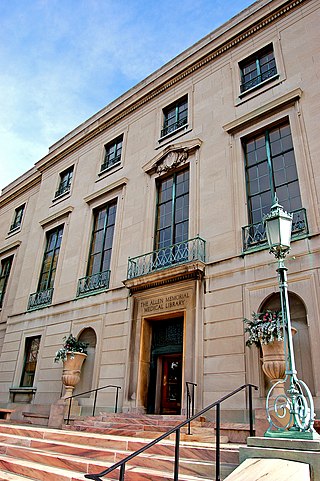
(234, 284)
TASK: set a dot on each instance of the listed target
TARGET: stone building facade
(141, 230)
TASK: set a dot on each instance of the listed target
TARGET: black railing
(122, 464)
(168, 128)
(258, 79)
(254, 235)
(95, 399)
(40, 299)
(190, 401)
(93, 284)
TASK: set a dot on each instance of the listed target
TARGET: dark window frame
(51, 254)
(18, 215)
(257, 69)
(104, 219)
(173, 200)
(175, 116)
(270, 169)
(31, 353)
(65, 182)
(6, 265)
(112, 153)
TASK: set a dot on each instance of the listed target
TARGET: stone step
(79, 452)
(7, 476)
(82, 462)
(98, 448)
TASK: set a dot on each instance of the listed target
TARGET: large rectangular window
(257, 68)
(175, 116)
(102, 238)
(30, 361)
(50, 259)
(271, 169)
(4, 276)
(172, 210)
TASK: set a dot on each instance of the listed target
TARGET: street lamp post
(290, 413)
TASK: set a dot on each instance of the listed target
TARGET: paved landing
(270, 470)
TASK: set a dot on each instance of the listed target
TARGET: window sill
(258, 89)
(14, 231)
(60, 197)
(110, 170)
(174, 132)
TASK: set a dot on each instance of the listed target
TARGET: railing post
(69, 410)
(176, 456)
(116, 405)
(94, 402)
(218, 442)
(192, 400)
(122, 470)
(250, 410)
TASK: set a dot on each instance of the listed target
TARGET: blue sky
(63, 60)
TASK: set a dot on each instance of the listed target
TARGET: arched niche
(88, 335)
(301, 340)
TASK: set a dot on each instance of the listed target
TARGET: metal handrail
(190, 401)
(121, 464)
(95, 399)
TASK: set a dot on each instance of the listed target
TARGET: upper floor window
(4, 276)
(172, 218)
(112, 153)
(65, 182)
(43, 296)
(30, 361)
(102, 238)
(175, 116)
(18, 214)
(50, 259)
(257, 68)
(271, 169)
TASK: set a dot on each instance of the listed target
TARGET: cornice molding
(10, 247)
(12, 194)
(267, 109)
(106, 190)
(57, 216)
(226, 45)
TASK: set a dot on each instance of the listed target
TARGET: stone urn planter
(273, 359)
(72, 354)
(71, 371)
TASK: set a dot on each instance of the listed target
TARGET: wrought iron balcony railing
(254, 235)
(93, 284)
(181, 253)
(258, 79)
(40, 299)
(63, 189)
(167, 129)
(110, 162)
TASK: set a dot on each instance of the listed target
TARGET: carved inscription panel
(161, 304)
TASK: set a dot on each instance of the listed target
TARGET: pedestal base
(303, 451)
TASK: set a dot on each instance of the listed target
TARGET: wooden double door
(165, 386)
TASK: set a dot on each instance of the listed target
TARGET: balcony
(254, 235)
(175, 255)
(169, 128)
(40, 299)
(93, 284)
(268, 74)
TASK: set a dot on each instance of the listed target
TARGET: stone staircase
(91, 445)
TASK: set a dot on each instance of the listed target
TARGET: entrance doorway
(166, 358)
(171, 380)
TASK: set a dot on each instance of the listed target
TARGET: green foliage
(265, 327)
(72, 345)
